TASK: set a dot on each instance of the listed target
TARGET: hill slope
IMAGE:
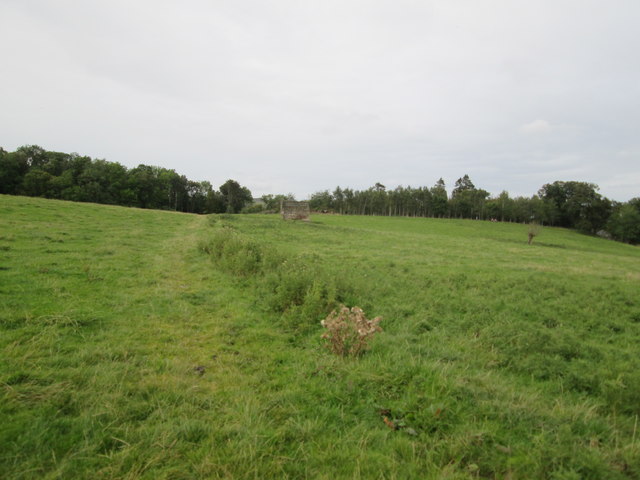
(128, 351)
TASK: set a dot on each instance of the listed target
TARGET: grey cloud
(295, 96)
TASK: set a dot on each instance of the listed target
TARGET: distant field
(148, 344)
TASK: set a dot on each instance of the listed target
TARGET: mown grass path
(118, 345)
(125, 352)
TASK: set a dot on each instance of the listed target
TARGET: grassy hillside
(147, 344)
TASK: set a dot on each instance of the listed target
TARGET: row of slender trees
(33, 171)
(572, 204)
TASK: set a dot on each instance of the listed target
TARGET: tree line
(35, 172)
(571, 204)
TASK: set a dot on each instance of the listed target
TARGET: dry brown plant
(349, 331)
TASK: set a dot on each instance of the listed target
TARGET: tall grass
(296, 286)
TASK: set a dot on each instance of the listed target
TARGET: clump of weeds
(349, 331)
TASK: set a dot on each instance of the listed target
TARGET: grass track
(508, 361)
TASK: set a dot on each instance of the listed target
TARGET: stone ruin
(292, 210)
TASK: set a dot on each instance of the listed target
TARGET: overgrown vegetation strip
(302, 290)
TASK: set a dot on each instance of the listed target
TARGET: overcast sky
(300, 96)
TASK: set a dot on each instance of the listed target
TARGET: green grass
(148, 344)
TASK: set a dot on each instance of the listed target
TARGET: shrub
(349, 331)
(288, 285)
(533, 231)
(215, 244)
(302, 292)
(253, 208)
(234, 253)
(241, 257)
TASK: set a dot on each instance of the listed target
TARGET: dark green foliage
(576, 205)
(234, 196)
(13, 167)
(272, 202)
(439, 207)
(35, 172)
(624, 223)
(36, 183)
(321, 201)
(467, 201)
(463, 184)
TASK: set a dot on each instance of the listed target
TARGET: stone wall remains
(292, 210)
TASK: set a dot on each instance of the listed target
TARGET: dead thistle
(349, 331)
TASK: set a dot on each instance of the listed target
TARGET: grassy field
(149, 344)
